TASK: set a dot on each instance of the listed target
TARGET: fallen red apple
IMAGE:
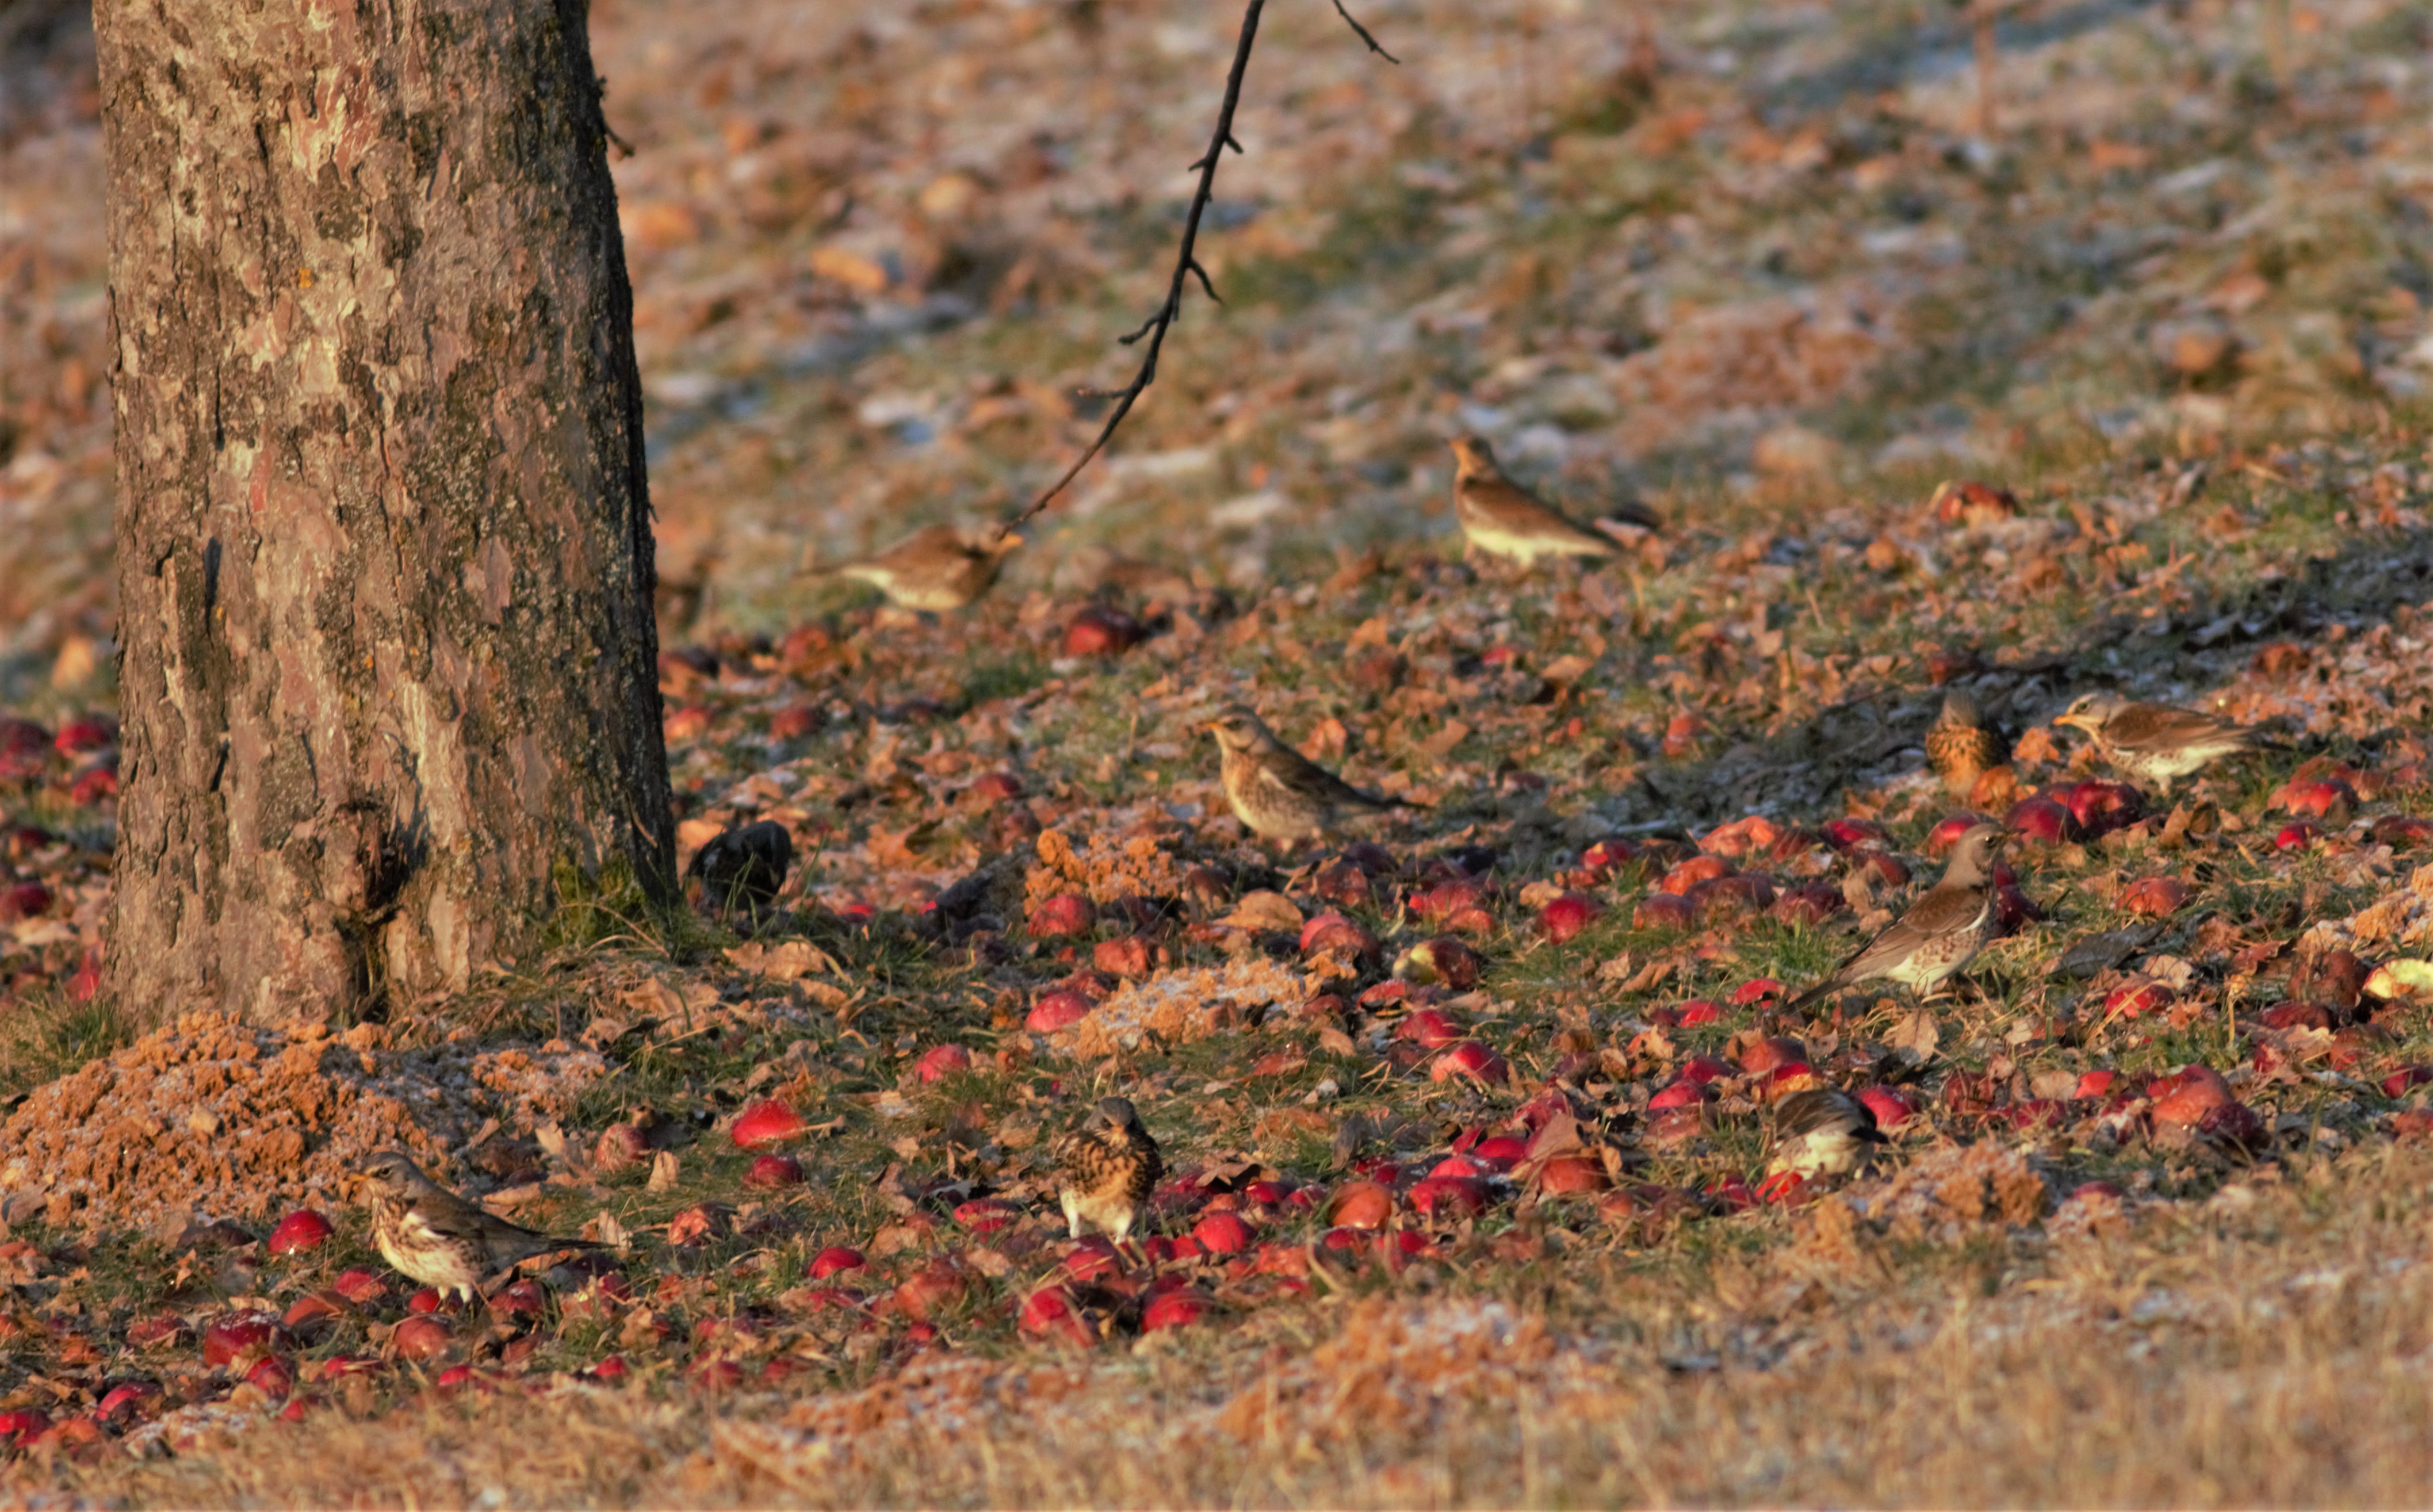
(1807, 904)
(1703, 1068)
(932, 1290)
(1566, 916)
(769, 1122)
(1061, 916)
(1443, 960)
(942, 1062)
(1333, 934)
(2044, 821)
(1756, 990)
(1499, 1152)
(1697, 869)
(1448, 1199)
(359, 1287)
(1682, 1093)
(1445, 900)
(272, 1376)
(1224, 1234)
(1663, 911)
(1130, 957)
(1608, 856)
(2102, 807)
(1855, 834)
(1055, 1011)
(1737, 896)
(2327, 798)
(769, 1172)
(1051, 1313)
(1947, 834)
(1762, 1055)
(1572, 1171)
(2297, 835)
(24, 900)
(299, 1231)
(23, 1422)
(1428, 1027)
(1470, 1059)
(2188, 1097)
(2285, 1016)
(420, 1337)
(1891, 1106)
(1696, 1011)
(1099, 631)
(1360, 1205)
(2137, 997)
(986, 1214)
(234, 1335)
(835, 1260)
(2398, 1082)
(1178, 1308)
(2155, 897)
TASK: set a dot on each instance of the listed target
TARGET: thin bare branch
(1186, 264)
(1364, 35)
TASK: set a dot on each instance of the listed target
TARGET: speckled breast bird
(1821, 1131)
(1106, 1169)
(1960, 748)
(1500, 517)
(936, 570)
(744, 867)
(1279, 793)
(1941, 933)
(432, 1235)
(2154, 742)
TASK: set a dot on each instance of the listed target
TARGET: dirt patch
(1183, 1006)
(213, 1117)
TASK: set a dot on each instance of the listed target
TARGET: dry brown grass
(2265, 1349)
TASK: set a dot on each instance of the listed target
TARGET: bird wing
(1504, 505)
(1290, 772)
(1942, 912)
(2154, 728)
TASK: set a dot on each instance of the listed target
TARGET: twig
(1364, 35)
(1186, 264)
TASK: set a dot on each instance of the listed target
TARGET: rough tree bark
(384, 559)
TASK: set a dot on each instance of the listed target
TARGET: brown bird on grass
(1500, 517)
(935, 570)
(1106, 1169)
(2154, 742)
(1277, 791)
(1941, 933)
(1961, 747)
(433, 1236)
(1821, 1131)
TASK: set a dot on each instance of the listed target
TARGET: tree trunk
(384, 558)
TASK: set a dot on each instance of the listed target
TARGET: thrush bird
(1940, 934)
(937, 569)
(2154, 742)
(1960, 748)
(1279, 793)
(435, 1237)
(1106, 1169)
(1821, 1131)
(744, 867)
(1498, 516)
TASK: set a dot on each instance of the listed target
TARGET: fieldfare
(1500, 517)
(1277, 791)
(1106, 1169)
(1940, 934)
(433, 1236)
(2154, 742)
